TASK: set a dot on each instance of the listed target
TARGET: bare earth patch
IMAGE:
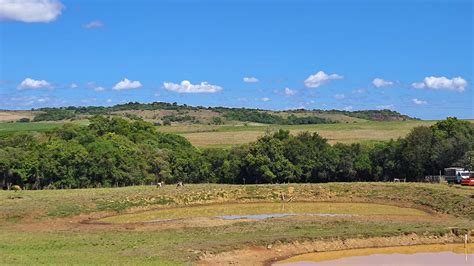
(258, 255)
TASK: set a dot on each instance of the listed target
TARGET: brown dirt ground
(6, 116)
(252, 255)
(258, 255)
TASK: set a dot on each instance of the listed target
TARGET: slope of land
(65, 227)
(167, 113)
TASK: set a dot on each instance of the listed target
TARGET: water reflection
(453, 254)
(279, 215)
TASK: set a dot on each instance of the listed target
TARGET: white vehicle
(455, 174)
(461, 175)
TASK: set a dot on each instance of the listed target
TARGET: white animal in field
(179, 184)
(160, 184)
(16, 188)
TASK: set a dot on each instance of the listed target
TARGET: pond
(450, 254)
(258, 211)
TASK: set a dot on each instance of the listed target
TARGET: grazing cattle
(282, 196)
(160, 184)
(16, 188)
(179, 184)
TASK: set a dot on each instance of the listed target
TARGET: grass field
(8, 128)
(224, 136)
(229, 135)
(65, 226)
(14, 127)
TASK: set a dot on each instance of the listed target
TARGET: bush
(24, 120)
(54, 115)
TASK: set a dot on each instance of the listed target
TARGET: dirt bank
(258, 255)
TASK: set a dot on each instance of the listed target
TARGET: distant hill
(173, 113)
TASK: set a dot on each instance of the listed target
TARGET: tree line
(239, 114)
(116, 152)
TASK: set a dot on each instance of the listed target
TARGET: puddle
(279, 215)
(258, 211)
(451, 254)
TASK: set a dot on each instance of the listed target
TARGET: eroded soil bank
(433, 254)
(258, 255)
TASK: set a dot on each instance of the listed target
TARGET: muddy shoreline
(259, 255)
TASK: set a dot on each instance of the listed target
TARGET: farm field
(112, 225)
(229, 135)
(222, 136)
(9, 127)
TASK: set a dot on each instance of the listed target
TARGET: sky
(411, 56)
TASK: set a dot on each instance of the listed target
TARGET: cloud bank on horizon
(72, 59)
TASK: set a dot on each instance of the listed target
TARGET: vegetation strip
(113, 152)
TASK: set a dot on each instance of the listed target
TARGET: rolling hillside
(172, 114)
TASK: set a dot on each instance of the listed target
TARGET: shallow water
(263, 211)
(279, 215)
(453, 254)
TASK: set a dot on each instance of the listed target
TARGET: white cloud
(379, 83)
(388, 106)
(93, 24)
(187, 87)
(109, 100)
(419, 102)
(442, 83)
(359, 91)
(339, 96)
(29, 83)
(418, 85)
(265, 99)
(250, 79)
(127, 84)
(348, 108)
(289, 92)
(73, 86)
(29, 100)
(30, 10)
(320, 78)
(94, 86)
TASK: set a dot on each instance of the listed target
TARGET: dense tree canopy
(116, 152)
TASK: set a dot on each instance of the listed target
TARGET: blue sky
(415, 57)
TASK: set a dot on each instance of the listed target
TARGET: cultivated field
(148, 225)
(224, 136)
(229, 135)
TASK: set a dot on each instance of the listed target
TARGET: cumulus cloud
(265, 99)
(186, 87)
(73, 86)
(289, 92)
(99, 88)
(93, 24)
(419, 102)
(250, 79)
(30, 11)
(320, 78)
(29, 83)
(418, 85)
(348, 108)
(339, 96)
(442, 83)
(127, 84)
(379, 83)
